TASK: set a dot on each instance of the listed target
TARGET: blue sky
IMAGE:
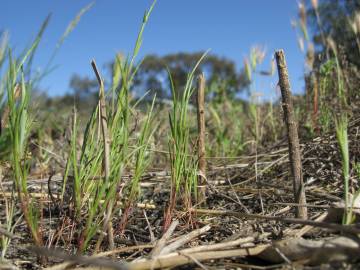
(228, 27)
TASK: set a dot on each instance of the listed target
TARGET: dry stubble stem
(106, 138)
(293, 138)
(201, 139)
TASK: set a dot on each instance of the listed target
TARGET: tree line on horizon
(223, 79)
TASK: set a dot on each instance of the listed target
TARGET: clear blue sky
(228, 27)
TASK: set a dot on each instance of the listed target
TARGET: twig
(176, 259)
(67, 265)
(282, 255)
(322, 206)
(231, 166)
(237, 197)
(152, 237)
(184, 239)
(185, 252)
(220, 246)
(162, 242)
(332, 226)
(194, 260)
(308, 228)
(293, 138)
(167, 261)
(277, 161)
(78, 258)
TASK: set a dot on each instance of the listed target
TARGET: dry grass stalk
(69, 265)
(201, 139)
(219, 246)
(166, 261)
(162, 242)
(293, 138)
(106, 138)
(350, 229)
(78, 259)
(179, 258)
(184, 239)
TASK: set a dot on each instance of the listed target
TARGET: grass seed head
(247, 69)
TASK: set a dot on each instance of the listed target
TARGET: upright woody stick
(293, 138)
(201, 139)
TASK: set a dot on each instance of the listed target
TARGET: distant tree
(153, 74)
(84, 87)
(336, 17)
(222, 77)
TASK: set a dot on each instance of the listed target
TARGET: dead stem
(201, 139)
(293, 138)
(106, 139)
